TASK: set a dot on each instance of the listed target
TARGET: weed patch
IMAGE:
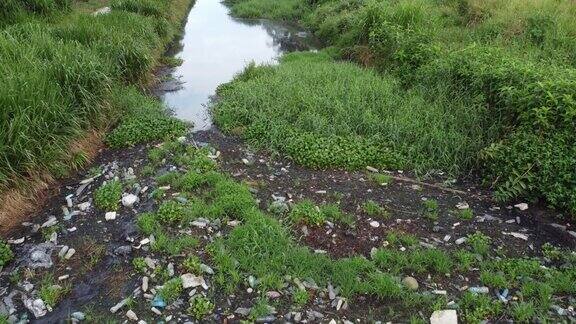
(107, 197)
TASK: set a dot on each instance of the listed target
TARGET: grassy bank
(492, 83)
(67, 71)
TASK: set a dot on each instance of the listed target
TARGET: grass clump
(307, 212)
(373, 209)
(6, 254)
(431, 209)
(192, 264)
(300, 298)
(479, 243)
(334, 213)
(171, 290)
(465, 214)
(139, 264)
(107, 197)
(380, 179)
(50, 292)
(170, 212)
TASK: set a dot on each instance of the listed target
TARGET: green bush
(108, 196)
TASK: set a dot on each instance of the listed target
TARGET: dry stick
(455, 191)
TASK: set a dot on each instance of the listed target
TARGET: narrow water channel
(215, 47)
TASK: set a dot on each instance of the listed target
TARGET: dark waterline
(214, 48)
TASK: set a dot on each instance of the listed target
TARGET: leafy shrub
(107, 197)
(200, 307)
(170, 212)
(145, 128)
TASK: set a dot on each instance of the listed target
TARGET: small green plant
(300, 298)
(335, 214)
(373, 209)
(50, 292)
(260, 309)
(6, 253)
(479, 243)
(381, 179)
(139, 264)
(200, 307)
(172, 61)
(551, 252)
(395, 238)
(171, 290)
(192, 264)
(523, 312)
(107, 197)
(494, 280)
(307, 212)
(157, 194)
(95, 171)
(465, 214)
(465, 260)
(431, 209)
(148, 171)
(170, 212)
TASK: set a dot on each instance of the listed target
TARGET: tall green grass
(324, 113)
(62, 78)
(515, 58)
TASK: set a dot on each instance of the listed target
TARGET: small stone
(84, 206)
(372, 169)
(242, 311)
(17, 241)
(191, 281)
(131, 315)
(129, 200)
(64, 277)
(410, 283)
(78, 316)
(205, 268)
(170, 268)
(145, 284)
(517, 235)
(101, 11)
(461, 240)
(110, 216)
(447, 316)
(156, 311)
(123, 250)
(521, 206)
(462, 205)
(273, 294)
(374, 224)
(36, 306)
(150, 263)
